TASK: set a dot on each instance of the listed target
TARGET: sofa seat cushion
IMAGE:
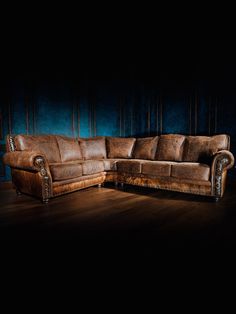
(170, 147)
(120, 147)
(93, 148)
(157, 168)
(189, 170)
(201, 148)
(129, 166)
(46, 144)
(69, 148)
(145, 148)
(111, 164)
(92, 166)
(66, 170)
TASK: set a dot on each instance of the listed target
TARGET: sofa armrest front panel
(30, 161)
(222, 161)
(26, 160)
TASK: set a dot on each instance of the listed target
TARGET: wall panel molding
(78, 116)
(34, 118)
(160, 113)
(73, 119)
(190, 114)
(9, 119)
(149, 116)
(209, 114)
(122, 115)
(90, 120)
(216, 114)
(132, 116)
(196, 100)
(1, 125)
(157, 98)
(94, 118)
(27, 115)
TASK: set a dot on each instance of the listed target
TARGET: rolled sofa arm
(26, 160)
(21, 161)
(222, 161)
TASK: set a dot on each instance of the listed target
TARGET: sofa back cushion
(46, 144)
(170, 147)
(120, 147)
(69, 148)
(145, 148)
(201, 148)
(93, 148)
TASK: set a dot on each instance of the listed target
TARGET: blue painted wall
(116, 107)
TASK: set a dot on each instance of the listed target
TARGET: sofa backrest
(47, 144)
(69, 148)
(145, 148)
(93, 148)
(170, 147)
(120, 147)
(200, 148)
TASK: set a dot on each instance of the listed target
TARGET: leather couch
(49, 165)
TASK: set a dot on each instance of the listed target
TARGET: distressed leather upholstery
(92, 166)
(145, 148)
(170, 147)
(93, 148)
(191, 171)
(46, 144)
(50, 165)
(64, 171)
(201, 148)
(69, 148)
(118, 147)
(157, 168)
(111, 164)
(24, 160)
(130, 166)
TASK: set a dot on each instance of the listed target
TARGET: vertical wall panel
(202, 114)
(175, 114)
(109, 114)
(17, 109)
(84, 118)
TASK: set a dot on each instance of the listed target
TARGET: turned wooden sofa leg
(99, 185)
(216, 199)
(45, 201)
(122, 185)
(18, 192)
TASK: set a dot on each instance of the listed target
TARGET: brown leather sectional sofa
(49, 165)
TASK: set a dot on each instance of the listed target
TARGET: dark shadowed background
(119, 89)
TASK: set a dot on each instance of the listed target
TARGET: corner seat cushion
(92, 166)
(145, 148)
(157, 168)
(192, 171)
(64, 171)
(69, 148)
(111, 164)
(47, 144)
(120, 147)
(170, 147)
(93, 148)
(129, 166)
(201, 148)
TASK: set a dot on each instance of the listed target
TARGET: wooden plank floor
(134, 221)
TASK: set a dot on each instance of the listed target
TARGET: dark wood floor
(133, 222)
